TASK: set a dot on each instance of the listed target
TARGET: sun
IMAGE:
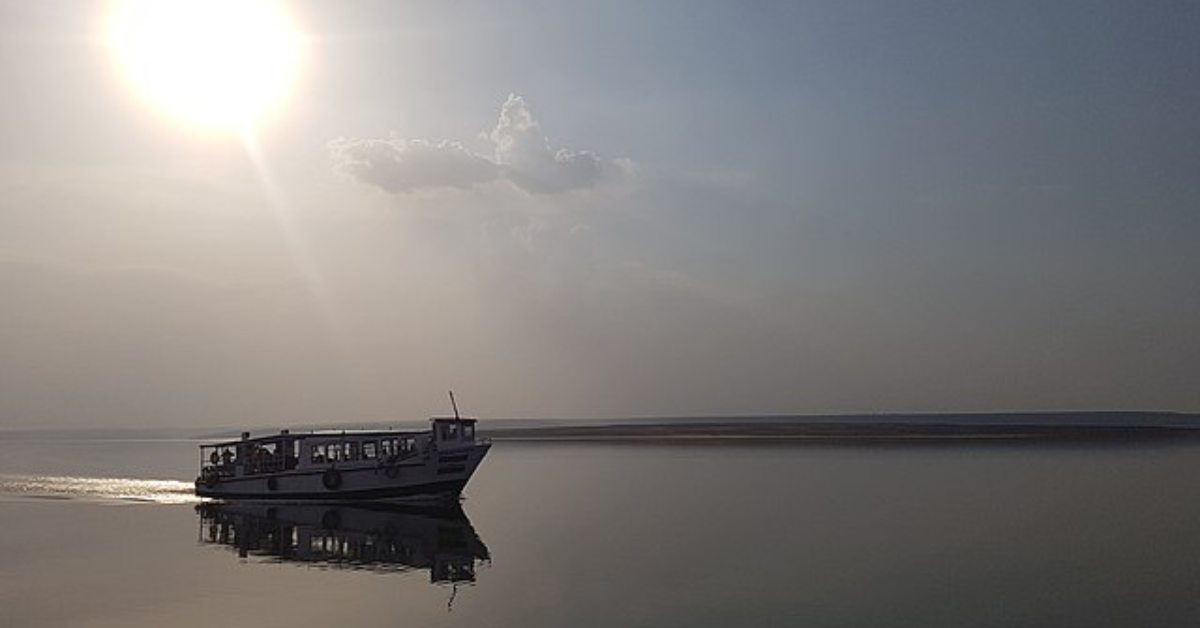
(215, 64)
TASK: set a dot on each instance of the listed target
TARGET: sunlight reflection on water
(98, 489)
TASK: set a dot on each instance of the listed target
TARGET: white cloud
(523, 156)
(398, 165)
(529, 160)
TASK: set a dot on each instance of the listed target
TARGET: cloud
(523, 156)
(398, 165)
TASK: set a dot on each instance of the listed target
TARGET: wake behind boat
(344, 465)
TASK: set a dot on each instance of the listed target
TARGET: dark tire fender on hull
(332, 479)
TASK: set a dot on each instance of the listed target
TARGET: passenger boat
(344, 465)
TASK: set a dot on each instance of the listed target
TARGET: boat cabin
(285, 451)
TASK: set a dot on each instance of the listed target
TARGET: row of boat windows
(383, 449)
(277, 455)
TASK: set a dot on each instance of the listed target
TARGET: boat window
(400, 447)
(262, 457)
(370, 450)
(328, 452)
(350, 451)
(468, 431)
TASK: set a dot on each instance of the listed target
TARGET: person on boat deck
(258, 459)
(227, 456)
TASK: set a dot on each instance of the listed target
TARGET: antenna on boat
(454, 405)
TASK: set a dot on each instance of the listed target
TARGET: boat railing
(271, 463)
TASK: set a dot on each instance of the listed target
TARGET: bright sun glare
(216, 64)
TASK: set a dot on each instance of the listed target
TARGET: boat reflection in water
(372, 537)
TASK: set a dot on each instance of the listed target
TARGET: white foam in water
(98, 489)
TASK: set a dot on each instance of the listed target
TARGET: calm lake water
(620, 535)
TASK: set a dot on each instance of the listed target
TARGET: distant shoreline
(834, 432)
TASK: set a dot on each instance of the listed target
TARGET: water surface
(106, 534)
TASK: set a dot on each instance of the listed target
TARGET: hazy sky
(620, 208)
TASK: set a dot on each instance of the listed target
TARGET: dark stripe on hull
(446, 488)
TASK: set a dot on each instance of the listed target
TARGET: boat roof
(247, 437)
